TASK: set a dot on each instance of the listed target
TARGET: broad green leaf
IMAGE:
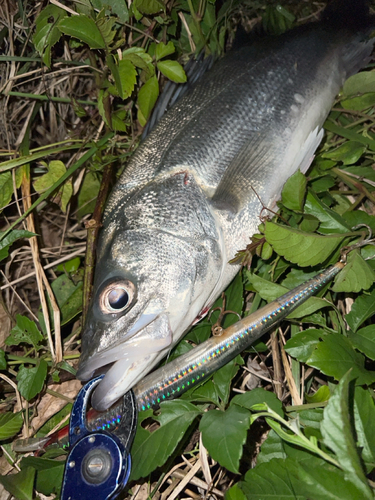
(10, 424)
(24, 331)
(337, 434)
(257, 396)
(360, 83)
(307, 478)
(69, 266)
(309, 223)
(364, 417)
(68, 296)
(294, 190)
(83, 28)
(49, 473)
(20, 485)
(147, 97)
(88, 194)
(272, 447)
(151, 449)
(47, 33)
(56, 169)
(222, 378)
(6, 189)
(335, 356)
(31, 380)
(357, 275)
(224, 434)
(322, 394)
(349, 153)
(322, 184)
(149, 6)
(105, 26)
(270, 291)
(302, 344)
(296, 277)
(172, 70)
(364, 340)
(163, 50)
(330, 221)
(271, 480)
(311, 418)
(3, 361)
(117, 7)
(128, 77)
(358, 104)
(234, 301)
(362, 309)
(235, 493)
(304, 249)
(13, 236)
(205, 393)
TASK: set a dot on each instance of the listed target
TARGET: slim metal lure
(171, 380)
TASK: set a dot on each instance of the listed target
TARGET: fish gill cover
(79, 82)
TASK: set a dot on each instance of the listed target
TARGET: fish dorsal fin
(173, 92)
(242, 177)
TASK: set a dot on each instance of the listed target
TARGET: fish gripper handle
(99, 463)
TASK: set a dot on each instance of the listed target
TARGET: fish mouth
(130, 360)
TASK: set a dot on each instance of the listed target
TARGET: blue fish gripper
(99, 463)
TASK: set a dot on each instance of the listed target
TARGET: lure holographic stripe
(184, 372)
(188, 370)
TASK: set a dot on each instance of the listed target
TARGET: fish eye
(116, 296)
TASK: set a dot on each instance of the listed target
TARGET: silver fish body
(186, 202)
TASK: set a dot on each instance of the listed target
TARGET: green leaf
(47, 33)
(364, 340)
(13, 236)
(235, 493)
(70, 266)
(128, 78)
(55, 420)
(56, 169)
(364, 417)
(10, 424)
(258, 396)
(334, 356)
(163, 50)
(360, 83)
(88, 194)
(68, 295)
(151, 449)
(304, 249)
(337, 435)
(31, 380)
(330, 221)
(49, 474)
(322, 394)
(149, 6)
(305, 478)
(362, 309)
(224, 434)
(172, 70)
(358, 104)
(6, 189)
(272, 447)
(349, 153)
(147, 97)
(20, 485)
(222, 378)
(302, 344)
(294, 190)
(3, 361)
(83, 28)
(270, 291)
(357, 275)
(24, 331)
(117, 7)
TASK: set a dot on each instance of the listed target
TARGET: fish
(190, 196)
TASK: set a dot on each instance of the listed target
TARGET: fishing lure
(190, 369)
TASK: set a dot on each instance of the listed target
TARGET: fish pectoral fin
(246, 179)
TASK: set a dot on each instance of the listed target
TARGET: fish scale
(185, 203)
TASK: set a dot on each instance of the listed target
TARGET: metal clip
(99, 463)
